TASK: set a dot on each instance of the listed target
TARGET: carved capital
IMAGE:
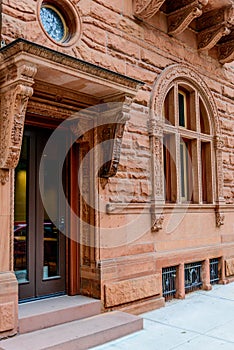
(16, 89)
(219, 218)
(213, 26)
(145, 9)
(218, 142)
(157, 222)
(180, 19)
(155, 127)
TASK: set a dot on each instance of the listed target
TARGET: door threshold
(54, 295)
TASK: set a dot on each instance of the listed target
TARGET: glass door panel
(21, 215)
(39, 247)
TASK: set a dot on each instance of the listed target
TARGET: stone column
(180, 290)
(218, 144)
(157, 173)
(16, 89)
(206, 275)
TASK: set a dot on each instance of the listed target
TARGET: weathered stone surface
(230, 267)
(122, 292)
(7, 316)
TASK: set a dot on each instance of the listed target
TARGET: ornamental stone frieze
(16, 89)
(180, 19)
(145, 9)
(213, 26)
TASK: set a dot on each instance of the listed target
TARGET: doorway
(39, 245)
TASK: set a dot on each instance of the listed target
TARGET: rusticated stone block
(122, 292)
(7, 320)
(230, 267)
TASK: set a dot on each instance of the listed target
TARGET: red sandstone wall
(111, 37)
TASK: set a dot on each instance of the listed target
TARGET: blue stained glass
(52, 23)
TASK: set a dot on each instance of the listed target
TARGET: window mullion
(178, 167)
(176, 104)
(197, 170)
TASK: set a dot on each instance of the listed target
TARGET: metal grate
(214, 271)
(192, 276)
(169, 282)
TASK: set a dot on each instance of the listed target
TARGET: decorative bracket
(180, 19)
(110, 133)
(157, 222)
(219, 218)
(213, 26)
(16, 89)
(145, 9)
(226, 49)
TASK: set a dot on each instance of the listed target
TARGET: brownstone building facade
(141, 95)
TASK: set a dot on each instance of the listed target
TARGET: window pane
(182, 110)
(183, 171)
(21, 217)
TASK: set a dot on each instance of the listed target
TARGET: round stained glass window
(53, 23)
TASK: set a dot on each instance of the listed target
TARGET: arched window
(188, 149)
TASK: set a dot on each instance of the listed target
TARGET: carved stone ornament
(179, 20)
(157, 222)
(15, 92)
(145, 9)
(219, 218)
(110, 133)
(213, 26)
(4, 176)
(163, 84)
(226, 52)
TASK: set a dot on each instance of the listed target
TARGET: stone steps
(77, 335)
(50, 312)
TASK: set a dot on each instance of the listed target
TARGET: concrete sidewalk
(204, 320)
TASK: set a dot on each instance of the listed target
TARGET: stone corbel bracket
(16, 89)
(219, 218)
(180, 19)
(213, 26)
(145, 9)
(110, 134)
(226, 49)
(157, 222)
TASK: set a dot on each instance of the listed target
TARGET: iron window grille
(214, 271)
(192, 275)
(169, 282)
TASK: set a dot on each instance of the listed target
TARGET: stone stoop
(77, 335)
(50, 312)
